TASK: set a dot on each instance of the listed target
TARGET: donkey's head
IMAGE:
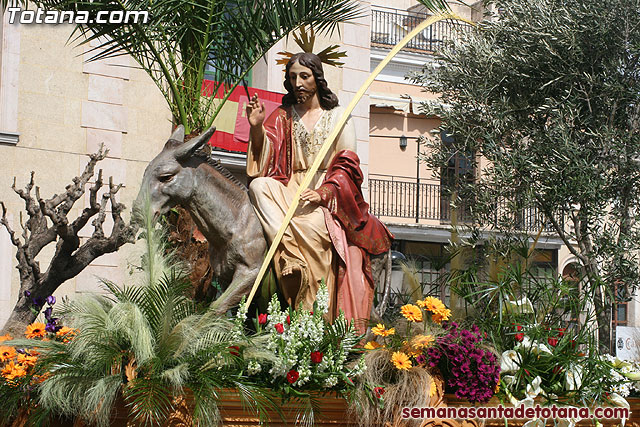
(170, 178)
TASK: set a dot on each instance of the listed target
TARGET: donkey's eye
(165, 178)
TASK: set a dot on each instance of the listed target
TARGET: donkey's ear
(187, 149)
(176, 138)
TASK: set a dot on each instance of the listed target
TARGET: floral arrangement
(19, 370)
(428, 342)
(472, 371)
(556, 364)
(303, 349)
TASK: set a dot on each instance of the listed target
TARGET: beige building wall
(61, 108)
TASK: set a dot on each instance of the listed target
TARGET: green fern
(145, 343)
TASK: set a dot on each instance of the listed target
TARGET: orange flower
(401, 360)
(27, 359)
(432, 304)
(35, 330)
(422, 341)
(6, 337)
(382, 331)
(433, 389)
(441, 315)
(7, 353)
(372, 345)
(66, 333)
(412, 312)
(11, 371)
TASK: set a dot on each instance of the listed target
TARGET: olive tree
(548, 92)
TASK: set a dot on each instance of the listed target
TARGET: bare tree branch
(48, 222)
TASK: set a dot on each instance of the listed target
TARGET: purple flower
(27, 294)
(51, 300)
(421, 359)
(52, 326)
(47, 313)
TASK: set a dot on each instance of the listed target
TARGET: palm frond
(149, 400)
(182, 39)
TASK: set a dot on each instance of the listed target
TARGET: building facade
(55, 109)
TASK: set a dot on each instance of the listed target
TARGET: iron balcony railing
(399, 197)
(389, 26)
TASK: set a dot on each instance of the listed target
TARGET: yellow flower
(432, 304)
(6, 337)
(35, 330)
(433, 389)
(497, 388)
(401, 360)
(27, 359)
(422, 341)
(382, 331)
(7, 353)
(441, 315)
(372, 345)
(412, 312)
(12, 371)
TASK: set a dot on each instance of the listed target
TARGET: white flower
(322, 299)
(533, 389)
(535, 346)
(330, 382)
(573, 379)
(521, 306)
(510, 361)
(253, 367)
(618, 400)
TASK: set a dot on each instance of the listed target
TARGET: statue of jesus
(332, 234)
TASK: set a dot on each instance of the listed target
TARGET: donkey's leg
(243, 279)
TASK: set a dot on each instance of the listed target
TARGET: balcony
(403, 197)
(389, 26)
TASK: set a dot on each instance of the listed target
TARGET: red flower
(288, 320)
(557, 369)
(520, 335)
(561, 332)
(527, 372)
(316, 356)
(552, 341)
(234, 350)
(292, 376)
(379, 391)
(262, 319)
(279, 327)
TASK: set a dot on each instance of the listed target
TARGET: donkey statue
(219, 205)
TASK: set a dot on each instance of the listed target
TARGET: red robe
(341, 195)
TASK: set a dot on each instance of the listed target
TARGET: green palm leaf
(183, 38)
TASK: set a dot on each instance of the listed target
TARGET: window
(544, 264)
(460, 170)
(431, 261)
(620, 309)
(9, 63)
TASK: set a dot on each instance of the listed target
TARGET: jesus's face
(302, 81)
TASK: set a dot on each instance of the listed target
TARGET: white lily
(535, 346)
(533, 389)
(510, 361)
(522, 306)
(537, 422)
(573, 378)
(618, 400)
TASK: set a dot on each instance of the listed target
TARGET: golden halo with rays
(306, 40)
